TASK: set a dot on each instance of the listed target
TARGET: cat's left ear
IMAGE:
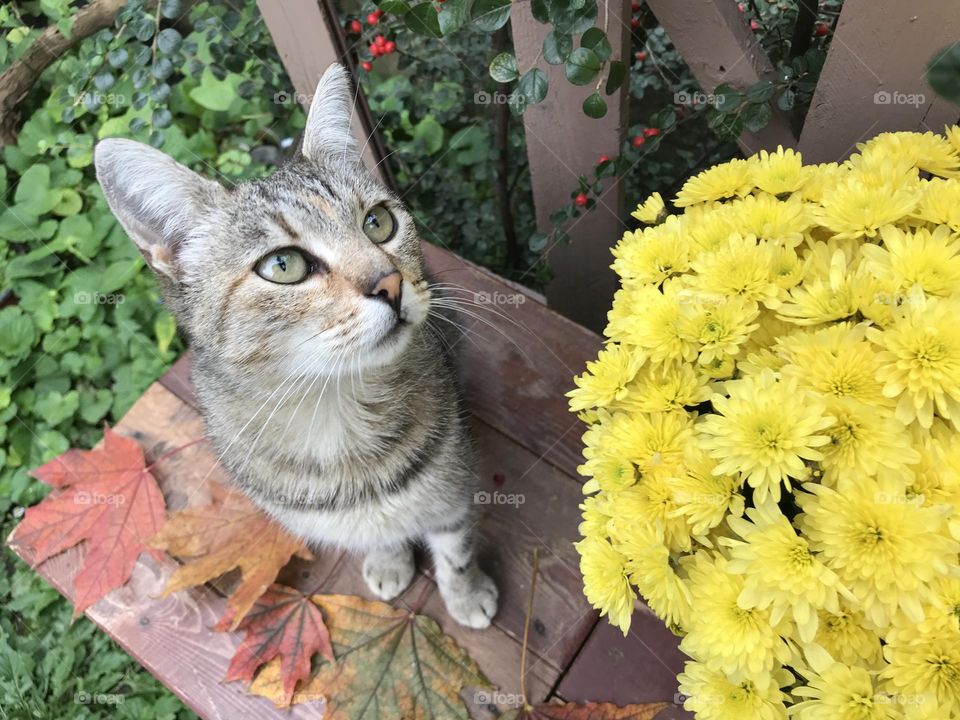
(328, 131)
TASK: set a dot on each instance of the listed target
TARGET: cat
(329, 397)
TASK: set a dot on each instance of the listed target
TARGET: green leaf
(428, 133)
(17, 333)
(595, 39)
(454, 14)
(615, 76)
(943, 73)
(582, 66)
(727, 126)
(70, 203)
(395, 7)
(214, 94)
(537, 241)
(165, 329)
(533, 86)
(665, 118)
(727, 99)
(540, 10)
(170, 9)
(94, 404)
(33, 195)
(787, 100)
(168, 40)
(761, 92)
(490, 15)
(756, 116)
(422, 19)
(574, 20)
(595, 106)
(503, 68)
(557, 47)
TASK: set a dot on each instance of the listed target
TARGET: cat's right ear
(156, 199)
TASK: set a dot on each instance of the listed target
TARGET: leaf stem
(171, 453)
(526, 627)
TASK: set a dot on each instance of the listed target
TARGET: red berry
(638, 140)
(822, 29)
(373, 19)
(641, 56)
(374, 49)
(580, 200)
(635, 24)
(754, 25)
(355, 27)
(651, 132)
(378, 12)
(741, 7)
(389, 46)
(367, 65)
(602, 159)
(635, 6)
(380, 41)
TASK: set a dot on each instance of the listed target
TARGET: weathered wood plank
(715, 41)
(873, 80)
(514, 374)
(563, 143)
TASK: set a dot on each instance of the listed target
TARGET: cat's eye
(379, 224)
(284, 266)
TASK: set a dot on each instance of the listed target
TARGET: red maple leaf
(287, 623)
(107, 499)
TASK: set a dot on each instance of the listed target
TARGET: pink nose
(388, 289)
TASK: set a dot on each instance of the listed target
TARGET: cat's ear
(328, 130)
(156, 199)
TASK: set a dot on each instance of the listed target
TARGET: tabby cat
(331, 400)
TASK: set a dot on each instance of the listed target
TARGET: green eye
(379, 224)
(285, 266)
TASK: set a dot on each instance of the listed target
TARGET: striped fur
(336, 419)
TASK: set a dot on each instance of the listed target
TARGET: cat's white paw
(474, 606)
(388, 573)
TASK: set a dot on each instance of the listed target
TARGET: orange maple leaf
(228, 533)
(106, 498)
(287, 623)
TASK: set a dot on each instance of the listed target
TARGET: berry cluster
(380, 45)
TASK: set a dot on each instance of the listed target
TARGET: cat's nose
(388, 288)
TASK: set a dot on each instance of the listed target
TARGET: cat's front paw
(389, 572)
(473, 604)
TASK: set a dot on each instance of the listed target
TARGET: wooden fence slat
(563, 143)
(309, 39)
(873, 80)
(714, 39)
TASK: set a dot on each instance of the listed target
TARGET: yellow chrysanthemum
(930, 260)
(713, 696)
(845, 636)
(607, 472)
(651, 504)
(926, 151)
(765, 429)
(652, 570)
(778, 172)
(864, 439)
(855, 209)
(703, 497)
(940, 202)
(839, 692)
(925, 665)
(826, 296)
(595, 518)
(649, 440)
(718, 328)
(606, 378)
(777, 221)
(664, 388)
(885, 547)
(605, 581)
(654, 254)
(920, 359)
(819, 180)
(651, 210)
(732, 179)
(742, 266)
(649, 318)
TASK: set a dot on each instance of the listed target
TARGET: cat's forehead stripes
(284, 225)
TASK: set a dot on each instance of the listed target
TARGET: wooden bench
(514, 376)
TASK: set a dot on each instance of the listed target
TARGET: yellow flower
(819, 180)
(718, 327)
(741, 266)
(714, 696)
(885, 547)
(606, 378)
(839, 692)
(651, 570)
(705, 498)
(771, 219)
(779, 172)
(920, 359)
(654, 254)
(595, 518)
(845, 636)
(855, 208)
(825, 296)
(664, 388)
(605, 581)
(607, 472)
(651, 504)
(649, 318)
(925, 665)
(731, 179)
(722, 634)
(710, 226)
(765, 429)
(930, 260)
(651, 210)
(926, 151)
(649, 440)
(940, 202)
(780, 572)
(863, 439)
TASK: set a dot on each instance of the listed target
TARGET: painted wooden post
(873, 80)
(715, 41)
(308, 37)
(563, 143)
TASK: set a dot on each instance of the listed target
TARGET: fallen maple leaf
(228, 533)
(286, 623)
(106, 498)
(390, 664)
(585, 711)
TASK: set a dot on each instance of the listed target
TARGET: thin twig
(526, 627)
